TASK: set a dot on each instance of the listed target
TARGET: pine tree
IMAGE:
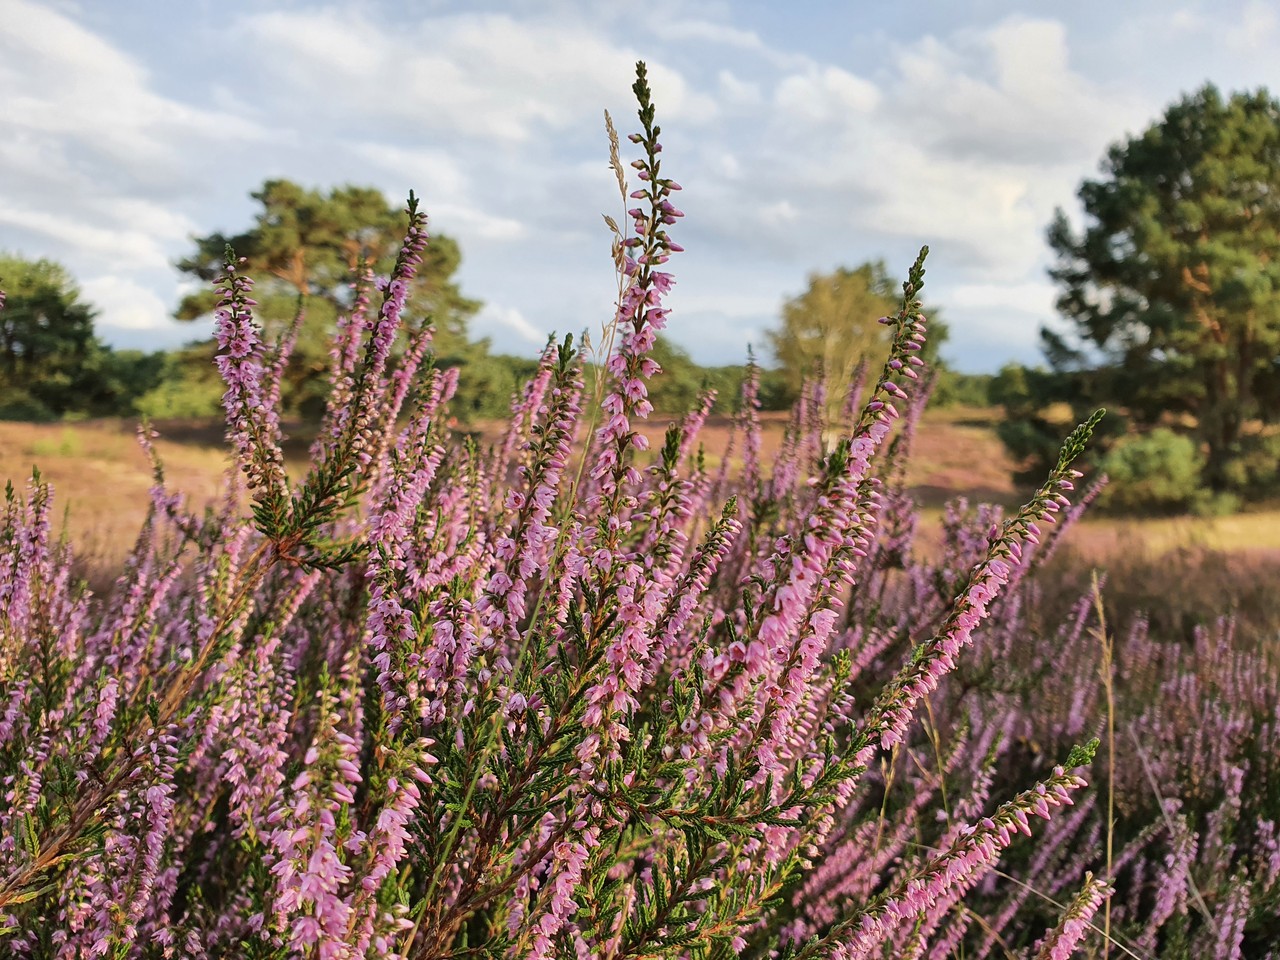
(311, 244)
(1173, 288)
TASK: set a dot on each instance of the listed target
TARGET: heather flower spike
(252, 420)
(886, 723)
(1061, 942)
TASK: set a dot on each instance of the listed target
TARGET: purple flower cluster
(1061, 942)
(252, 421)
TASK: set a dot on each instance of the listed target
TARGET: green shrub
(1158, 472)
(181, 398)
(16, 404)
(955, 389)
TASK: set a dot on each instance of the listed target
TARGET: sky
(807, 136)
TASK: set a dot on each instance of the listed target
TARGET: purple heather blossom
(974, 850)
(568, 860)
(1061, 942)
(240, 361)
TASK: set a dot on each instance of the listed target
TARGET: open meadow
(102, 478)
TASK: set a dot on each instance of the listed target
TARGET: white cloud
(432, 171)
(701, 35)
(1006, 94)
(126, 304)
(825, 95)
(719, 33)
(445, 188)
(776, 214)
(63, 81)
(510, 329)
(106, 245)
(488, 76)
(1250, 29)
(97, 164)
(729, 302)
(1036, 296)
(966, 141)
(159, 222)
(478, 224)
(1256, 29)
(733, 90)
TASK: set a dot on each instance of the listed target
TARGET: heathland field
(1121, 685)
(101, 477)
(1176, 571)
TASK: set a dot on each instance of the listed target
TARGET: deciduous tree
(835, 324)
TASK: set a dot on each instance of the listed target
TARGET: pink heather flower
(568, 860)
(388, 838)
(524, 547)
(797, 631)
(1060, 943)
(639, 315)
(1171, 888)
(252, 431)
(887, 722)
(106, 709)
(1230, 921)
(343, 357)
(308, 842)
(957, 868)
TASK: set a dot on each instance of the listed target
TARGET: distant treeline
(315, 257)
(54, 367)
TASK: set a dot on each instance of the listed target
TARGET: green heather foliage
(570, 697)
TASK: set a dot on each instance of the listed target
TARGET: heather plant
(566, 696)
(1187, 789)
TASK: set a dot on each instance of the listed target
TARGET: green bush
(18, 404)
(181, 398)
(955, 389)
(1158, 472)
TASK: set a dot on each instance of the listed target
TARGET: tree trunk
(1220, 426)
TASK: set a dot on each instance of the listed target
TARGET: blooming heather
(1062, 940)
(252, 418)
(568, 696)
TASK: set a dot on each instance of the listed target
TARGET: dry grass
(1256, 531)
(1176, 590)
(101, 479)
